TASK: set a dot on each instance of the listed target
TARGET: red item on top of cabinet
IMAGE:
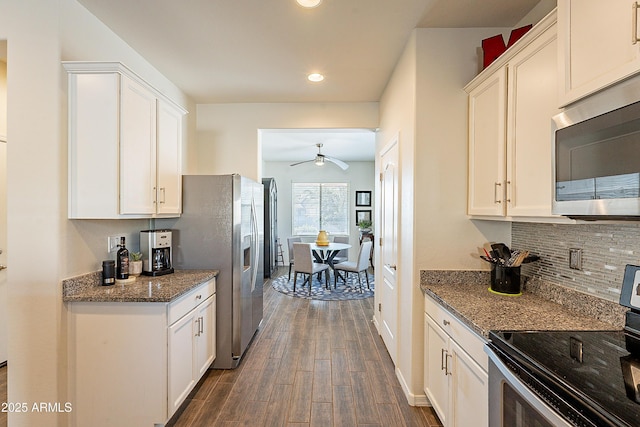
(492, 48)
(517, 34)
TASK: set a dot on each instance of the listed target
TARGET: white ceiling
(227, 51)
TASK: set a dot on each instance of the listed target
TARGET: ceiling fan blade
(337, 162)
(299, 163)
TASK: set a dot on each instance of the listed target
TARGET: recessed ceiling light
(315, 77)
(309, 3)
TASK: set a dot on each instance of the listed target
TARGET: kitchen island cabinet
(510, 108)
(136, 354)
(598, 41)
(125, 144)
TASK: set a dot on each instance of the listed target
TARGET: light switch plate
(575, 259)
(113, 242)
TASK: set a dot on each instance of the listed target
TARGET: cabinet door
(436, 378)
(595, 38)
(205, 325)
(487, 111)
(469, 390)
(532, 101)
(93, 145)
(181, 359)
(137, 149)
(169, 185)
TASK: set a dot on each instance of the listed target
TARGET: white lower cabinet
(191, 350)
(134, 363)
(455, 371)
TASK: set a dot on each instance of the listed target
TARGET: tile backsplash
(606, 249)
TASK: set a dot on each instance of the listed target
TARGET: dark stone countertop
(88, 288)
(540, 307)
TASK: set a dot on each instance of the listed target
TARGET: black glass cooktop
(597, 369)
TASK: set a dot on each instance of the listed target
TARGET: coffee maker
(155, 246)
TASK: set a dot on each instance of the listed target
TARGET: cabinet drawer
(191, 300)
(471, 342)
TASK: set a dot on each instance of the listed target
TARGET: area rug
(318, 292)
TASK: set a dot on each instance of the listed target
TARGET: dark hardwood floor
(312, 363)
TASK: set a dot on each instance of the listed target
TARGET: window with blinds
(320, 206)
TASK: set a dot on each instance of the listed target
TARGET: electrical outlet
(113, 242)
(575, 259)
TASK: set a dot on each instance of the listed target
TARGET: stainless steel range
(568, 378)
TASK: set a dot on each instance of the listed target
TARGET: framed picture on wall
(363, 198)
(363, 216)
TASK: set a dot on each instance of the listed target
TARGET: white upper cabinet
(511, 104)
(169, 191)
(487, 114)
(532, 101)
(125, 143)
(597, 44)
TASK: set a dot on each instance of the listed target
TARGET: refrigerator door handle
(255, 245)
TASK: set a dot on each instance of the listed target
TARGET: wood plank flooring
(312, 363)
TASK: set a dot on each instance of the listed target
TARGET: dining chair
(290, 242)
(358, 266)
(304, 265)
(343, 255)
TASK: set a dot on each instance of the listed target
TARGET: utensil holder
(505, 280)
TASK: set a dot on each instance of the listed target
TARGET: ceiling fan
(321, 158)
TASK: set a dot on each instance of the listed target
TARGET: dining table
(325, 254)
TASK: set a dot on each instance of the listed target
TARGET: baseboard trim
(412, 399)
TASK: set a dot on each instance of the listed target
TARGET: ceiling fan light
(309, 3)
(319, 161)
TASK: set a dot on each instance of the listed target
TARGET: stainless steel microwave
(596, 156)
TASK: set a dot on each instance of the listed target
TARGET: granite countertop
(165, 288)
(540, 307)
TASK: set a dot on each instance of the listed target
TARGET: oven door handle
(514, 382)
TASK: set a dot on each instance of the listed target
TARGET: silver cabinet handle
(495, 192)
(447, 371)
(443, 360)
(634, 23)
(155, 196)
(198, 322)
(3, 267)
(201, 325)
(164, 196)
(392, 266)
(445, 322)
(198, 296)
(508, 191)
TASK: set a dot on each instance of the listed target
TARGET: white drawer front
(191, 300)
(471, 342)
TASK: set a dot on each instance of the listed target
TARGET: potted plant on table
(365, 226)
(135, 264)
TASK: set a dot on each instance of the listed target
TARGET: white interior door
(388, 292)
(3, 246)
(3, 204)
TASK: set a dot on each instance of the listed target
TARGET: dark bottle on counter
(122, 262)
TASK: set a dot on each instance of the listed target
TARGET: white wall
(397, 118)
(43, 245)
(227, 139)
(425, 104)
(360, 176)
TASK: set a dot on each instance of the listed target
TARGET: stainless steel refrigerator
(221, 227)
